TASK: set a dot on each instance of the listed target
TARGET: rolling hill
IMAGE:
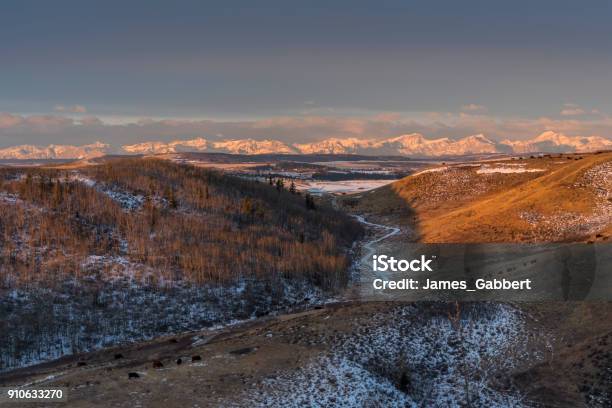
(540, 199)
(128, 249)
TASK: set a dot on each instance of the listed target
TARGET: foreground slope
(374, 354)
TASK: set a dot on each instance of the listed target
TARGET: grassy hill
(537, 199)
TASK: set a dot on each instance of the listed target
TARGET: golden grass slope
(537, 199)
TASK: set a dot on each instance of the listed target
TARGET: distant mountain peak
(252, 146)
(554, 142)
(480, 138)
(30, 152)
(410, 144)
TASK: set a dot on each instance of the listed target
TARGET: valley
(335, 204)
(292, 336)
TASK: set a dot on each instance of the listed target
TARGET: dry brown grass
(460, 205)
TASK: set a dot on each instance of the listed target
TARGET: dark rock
(242, 351)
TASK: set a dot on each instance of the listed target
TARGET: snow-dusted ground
(93, 314)
(443, 362)
(597, 178)
(115, 300)
(9, 198)
(506, 170)
(503, 168)
(431, 170)
(409, 356)
(330, 382)
(126, 200)
(423, 354)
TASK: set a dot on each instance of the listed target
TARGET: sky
(122, 72)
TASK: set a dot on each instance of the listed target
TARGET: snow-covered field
(339, 187)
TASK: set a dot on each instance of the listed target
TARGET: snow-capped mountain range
(558, 142)
(32, 152)
(413, 144)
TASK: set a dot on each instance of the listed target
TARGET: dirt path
(369, 245)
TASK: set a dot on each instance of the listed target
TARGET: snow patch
(432, 170)
(330, 382)
(341, 187)
(126, 200)
(412, 356)
(506, 170)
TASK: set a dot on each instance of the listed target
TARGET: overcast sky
(79, 71)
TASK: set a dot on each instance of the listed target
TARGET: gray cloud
(71, 109)
(474, 107)
(572, 109)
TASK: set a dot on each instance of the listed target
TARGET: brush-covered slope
(134, 248)
(181, 221)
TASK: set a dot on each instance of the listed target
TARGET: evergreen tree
(280, 184)
(310, 204)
